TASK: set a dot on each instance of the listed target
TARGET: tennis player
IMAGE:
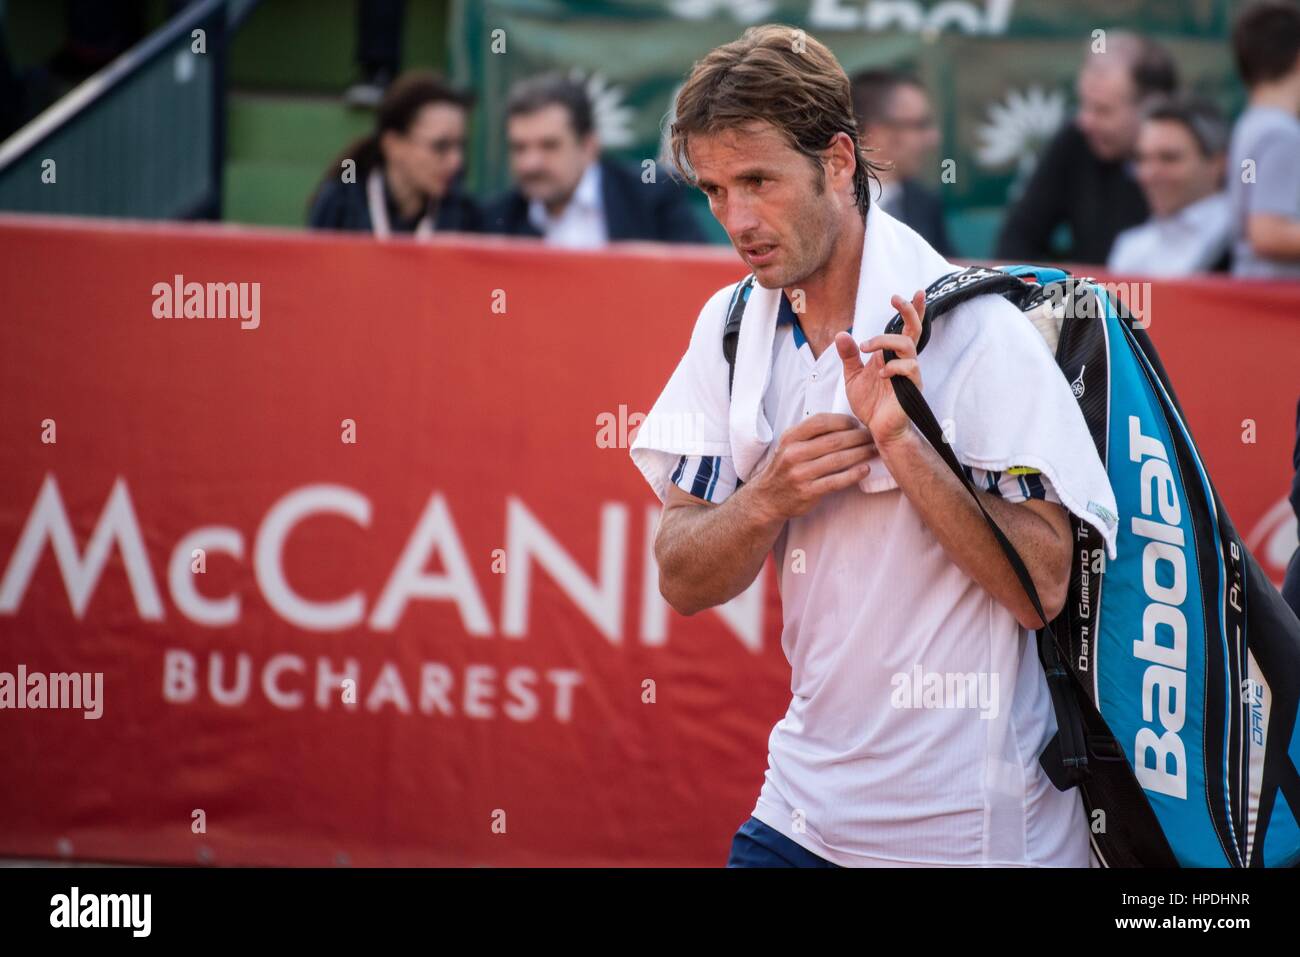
(919, 707)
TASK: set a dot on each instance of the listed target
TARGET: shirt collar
(588, 192)
(785, 316)
(785, 311)
(400, 222)
(1202, 212)
(586, 195)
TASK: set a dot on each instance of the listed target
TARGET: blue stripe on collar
(785, 314)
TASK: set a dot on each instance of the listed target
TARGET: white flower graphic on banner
(611, 115)
(1017, 127)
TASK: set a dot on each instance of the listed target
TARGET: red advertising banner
(344, 546)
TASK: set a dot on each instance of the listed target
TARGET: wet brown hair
(778, 75)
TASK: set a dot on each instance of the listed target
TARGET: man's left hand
(870, 393)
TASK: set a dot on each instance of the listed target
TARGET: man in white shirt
(884, 593)
(1181, 152)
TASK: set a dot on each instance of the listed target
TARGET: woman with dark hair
(404, 177)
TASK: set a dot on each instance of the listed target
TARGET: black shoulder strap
(950, 291)
(731, 331)
(943, 294)
(1065, 759)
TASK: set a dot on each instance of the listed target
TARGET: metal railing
(143, 138)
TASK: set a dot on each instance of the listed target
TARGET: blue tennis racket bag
(1174, 669)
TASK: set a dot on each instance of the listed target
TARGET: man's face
(908, 134)
(1109, 112)
(765, 194)
(1171, 169)
(547, 158)
(432, 151)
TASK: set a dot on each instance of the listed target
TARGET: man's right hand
(824, 453)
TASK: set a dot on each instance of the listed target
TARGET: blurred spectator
(1291, 584)
(379, 49)
(98, 32)
(12, 99)
(896, 120)
(1264, 185)
(1084, 177)
(1180, 157)
(565, 192)
(404, 177)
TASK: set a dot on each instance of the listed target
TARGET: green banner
(1000, 72)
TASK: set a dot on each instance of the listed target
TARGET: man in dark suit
(895, 120)
(565, 192)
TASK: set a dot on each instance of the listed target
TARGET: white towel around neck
(1022, 413)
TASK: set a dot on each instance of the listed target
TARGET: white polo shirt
(918, 705)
